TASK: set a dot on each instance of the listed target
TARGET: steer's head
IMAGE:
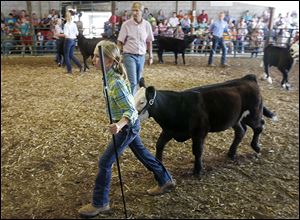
(294, 50)
(144, 99)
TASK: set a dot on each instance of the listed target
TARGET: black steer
(87, 47)
(195, 112)
(282, 58)
(173, 44)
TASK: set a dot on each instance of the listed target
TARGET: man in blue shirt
(217, 29)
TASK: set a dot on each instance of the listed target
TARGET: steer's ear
(142, 82)
(150, 92)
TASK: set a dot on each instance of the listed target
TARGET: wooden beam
(113, 12)
(270, 26)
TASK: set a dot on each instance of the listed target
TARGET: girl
(126, 129)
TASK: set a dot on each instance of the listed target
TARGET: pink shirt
(134, 36)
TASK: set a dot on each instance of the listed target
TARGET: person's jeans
(69, 46)
(134, 65)
(59, 45)
(129, 135)
(217, 41)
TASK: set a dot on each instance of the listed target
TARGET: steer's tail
(269, 114)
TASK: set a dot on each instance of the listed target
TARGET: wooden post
(270, 26)
(31, 32)
(113, 12)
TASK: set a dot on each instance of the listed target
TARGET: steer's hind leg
(257, 126)
(160, 144)
(284, 82)
(85, 64)
(239, 133)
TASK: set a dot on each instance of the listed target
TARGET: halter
(151, 102)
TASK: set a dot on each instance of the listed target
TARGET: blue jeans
(134, 65)
(69, 46)
(59, 56)
(129, 135)
(217, 41)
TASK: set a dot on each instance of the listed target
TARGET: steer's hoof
(231, 156)
(196, 174)
(256, 148)
(286, 86)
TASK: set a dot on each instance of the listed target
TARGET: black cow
(195, 112)
(60, 50)
(173, 44)
(87, 47)
(281, 57)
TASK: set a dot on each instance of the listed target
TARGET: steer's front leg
(160, 144)
(198, 143)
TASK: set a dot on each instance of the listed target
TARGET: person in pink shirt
(135, 38)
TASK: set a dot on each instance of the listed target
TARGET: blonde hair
(68, 16)
(112, 51)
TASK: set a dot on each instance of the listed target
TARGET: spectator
(227, 17)
(218, 28)
(228, 43)
(151, 18)
(26, 39)
(39, 41)
(22, 14)
(15, 14)
(125, 17)
(10, 22)
(180, 15)
(146, 13)
(247, 17)
(255, 43)
(70, 33)
(203, 25)
(135, 38)
(79, 24)
(294, 20)
(185, 24)
(35, 21)
(195, 25)
(163, 28)
(114, 22)
(160, 16)
(173, 21)
(202, 16)
(45, 21)
(180, 33)
(58, 35)
(8, 43)
(154, 28)
(266, 17)
(296, 37)
(241, 34)
(283, 37)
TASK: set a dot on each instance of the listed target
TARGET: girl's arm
(116, 127)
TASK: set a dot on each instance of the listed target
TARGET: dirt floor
(53, 130)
